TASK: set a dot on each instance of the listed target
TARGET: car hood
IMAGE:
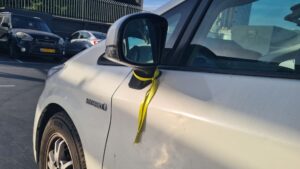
(35, 32)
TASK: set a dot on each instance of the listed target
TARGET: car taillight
(94, 42)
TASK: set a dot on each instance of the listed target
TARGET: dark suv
(28, 36)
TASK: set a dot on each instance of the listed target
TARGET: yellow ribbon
(145, 103)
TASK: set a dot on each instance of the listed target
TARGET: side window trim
(186, 16)
(175, 57)
(177, 35)
(231, 72)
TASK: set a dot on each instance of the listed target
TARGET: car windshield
(99, 35)
(29, 23)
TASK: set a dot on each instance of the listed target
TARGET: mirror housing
(6, 25)
(142, 33)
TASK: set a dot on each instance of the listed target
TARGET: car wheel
(13, 53)
(60, 145)
(56, 59)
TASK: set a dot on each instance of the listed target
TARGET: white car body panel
(205, 120)
(81, 79)
(85, 61)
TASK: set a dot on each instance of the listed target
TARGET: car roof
(13, 14)
(81, 31)
(171, 4)
(31, 17)
(88, 32)
(97, 32)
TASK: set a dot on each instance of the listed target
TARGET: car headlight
(61, 41)
(24, 36)
(54, 70)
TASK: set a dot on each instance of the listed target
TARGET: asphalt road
(21, 83)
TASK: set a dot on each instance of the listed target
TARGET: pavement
(21, 83)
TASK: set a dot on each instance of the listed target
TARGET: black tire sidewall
(57, 125)
(13, 51)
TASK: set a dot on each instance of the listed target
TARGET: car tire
(59, 59)
(60, 139)
(13, 53)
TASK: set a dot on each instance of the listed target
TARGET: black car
(82, 40)
(28, 36)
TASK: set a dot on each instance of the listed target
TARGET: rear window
(99, 35)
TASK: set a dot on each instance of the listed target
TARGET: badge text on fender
(96, 104)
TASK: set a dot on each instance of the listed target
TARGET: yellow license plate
(46, 50)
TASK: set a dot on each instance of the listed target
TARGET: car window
(175, 16)
(99, 35)
(173, 21)
(75, 36)
(84, 35)
(254, 36)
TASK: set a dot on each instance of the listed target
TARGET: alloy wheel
(59, 155)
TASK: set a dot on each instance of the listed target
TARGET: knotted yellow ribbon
(145, 103)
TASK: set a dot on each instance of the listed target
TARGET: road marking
(19, 61)
(7, 86)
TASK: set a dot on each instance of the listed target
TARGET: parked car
(228, 92)
(28, 36)
(82, 40)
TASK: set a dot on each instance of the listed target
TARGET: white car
(225, 92)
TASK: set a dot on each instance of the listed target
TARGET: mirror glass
(138, 38)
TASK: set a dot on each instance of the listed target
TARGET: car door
(231, 100)
(1, 30)
(1, 27)
(4, 30)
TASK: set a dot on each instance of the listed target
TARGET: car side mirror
(6, 25)
(137, 40)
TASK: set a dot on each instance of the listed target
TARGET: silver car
(81, 40)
